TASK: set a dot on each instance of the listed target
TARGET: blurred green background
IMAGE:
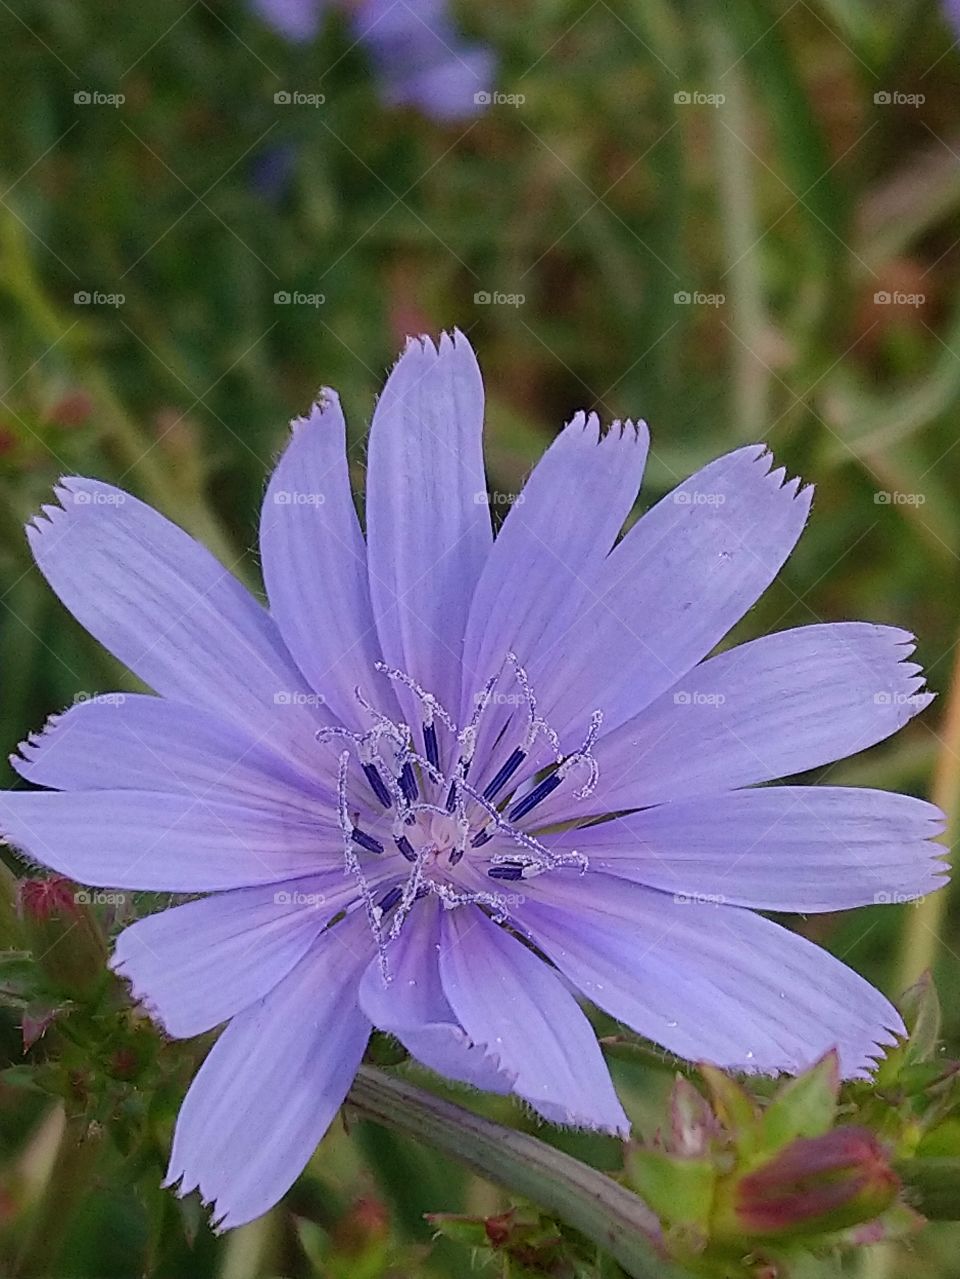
(737, 220)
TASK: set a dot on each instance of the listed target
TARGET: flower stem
(918, 948)
(741, 230)
(69, 1180)
(589, 1201)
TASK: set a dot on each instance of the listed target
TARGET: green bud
(732, 1104)
(920, 1006)
(693, 1126)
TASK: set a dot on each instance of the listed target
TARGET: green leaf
(20, 1077)
(469, 1231)
(933, 1185)
(803, 1107)
(19, 976)
(679, 1188)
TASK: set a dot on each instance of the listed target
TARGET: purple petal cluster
(420, 58)
(446, 780)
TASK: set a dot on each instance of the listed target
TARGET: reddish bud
(367, 1222)
(499, 1229)
(43, 899)
(815, 1185)
(64, 935)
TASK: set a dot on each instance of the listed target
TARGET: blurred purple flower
(420, 58)
(952, 9)
(361, 873)
(272, 171)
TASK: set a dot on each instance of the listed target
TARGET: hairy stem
(589, 1201)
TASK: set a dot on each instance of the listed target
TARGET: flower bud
(362, 1228)
(64, 935)
(815, 1185)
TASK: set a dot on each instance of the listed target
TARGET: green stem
(250, 1251)
(603, 1210)
(921, 936)
(735, 187)
(69, 1180)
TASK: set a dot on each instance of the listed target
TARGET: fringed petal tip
(33, 746)
(452, 350)
(452, 340)
(792, 488)
(625, 431)
(855, 1063)
(907, 683)
(72, 491)
(544, 1113)
(628, 431)
(872, 1056)
(218, 1217)
(327, 402)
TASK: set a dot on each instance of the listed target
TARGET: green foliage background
(599, 199)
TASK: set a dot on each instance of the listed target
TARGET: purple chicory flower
(951, 9)
(380, 785)
(420, 58)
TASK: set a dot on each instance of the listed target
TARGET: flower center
(423, 797)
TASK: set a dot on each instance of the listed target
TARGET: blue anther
(505, 773)
(377, 784)
(539, 793)
(366, 841)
